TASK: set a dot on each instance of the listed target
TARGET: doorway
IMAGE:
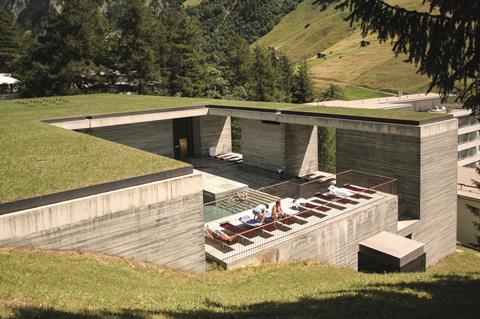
(183, 138)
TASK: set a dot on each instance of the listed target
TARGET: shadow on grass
(442, 297)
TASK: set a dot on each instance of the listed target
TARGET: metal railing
(244, 241)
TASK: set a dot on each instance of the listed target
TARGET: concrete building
(468, 125)
(468, 195)
(133, 217)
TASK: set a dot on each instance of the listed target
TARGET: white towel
(339, 192)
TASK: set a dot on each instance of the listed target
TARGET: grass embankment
(69, 285)
(309, 30)
(39, 159)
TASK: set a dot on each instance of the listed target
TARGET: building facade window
(468, 137)
(467, 121)
(469, 152)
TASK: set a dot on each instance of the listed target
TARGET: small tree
(334, 92)
(302, 85)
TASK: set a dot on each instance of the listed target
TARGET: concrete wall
(424, 162)
(211, 131)
(160, 222)
(263, 145)
(155, 137)
(466, 231)
(335, 241)
(301, 149)
(438, 190)
(390, 155)
(270, 146)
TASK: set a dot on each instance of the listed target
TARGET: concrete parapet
(154, 137)
(160, 222)
(335, 241)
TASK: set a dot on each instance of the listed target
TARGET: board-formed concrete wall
(301, 149)
(212, 131)
(424, 162)
(438, 190)
(335, 241)
(263, 144)
(154, 137)
(271, 145)
(159, 222)
(396, 156)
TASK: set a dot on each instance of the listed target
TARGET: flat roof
(392, 244)
(39, 159)
(383, 103)
(465, 185)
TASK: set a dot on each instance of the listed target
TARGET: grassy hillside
(70, 285)
(307, 30)
(346, 62)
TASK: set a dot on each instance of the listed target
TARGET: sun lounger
(250, 221)
(360, 189)
(328, 204)
(331, 198)
(219, 244)
(246, 233)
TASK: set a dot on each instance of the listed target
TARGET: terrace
(252, 243)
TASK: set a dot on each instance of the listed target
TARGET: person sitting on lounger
(218, 234)
(277, 211)
(259, 213)
(337, 191)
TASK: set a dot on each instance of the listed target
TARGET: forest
(149, 47)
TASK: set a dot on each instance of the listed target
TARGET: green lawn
(39, 159)
(71, 285)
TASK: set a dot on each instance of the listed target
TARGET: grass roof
(39, 159)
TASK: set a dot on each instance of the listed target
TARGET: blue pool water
(213, 212)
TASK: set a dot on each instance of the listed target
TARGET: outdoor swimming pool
(211, 212)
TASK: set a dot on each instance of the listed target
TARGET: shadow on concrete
(445, 297)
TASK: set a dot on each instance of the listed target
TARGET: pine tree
(185, 61)
(443, 43)
(10, 41)
(236, 66)
(66, 58)
(334, 92)
(285, 78)
(261, 86)
(302, 85)
(139, 39)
